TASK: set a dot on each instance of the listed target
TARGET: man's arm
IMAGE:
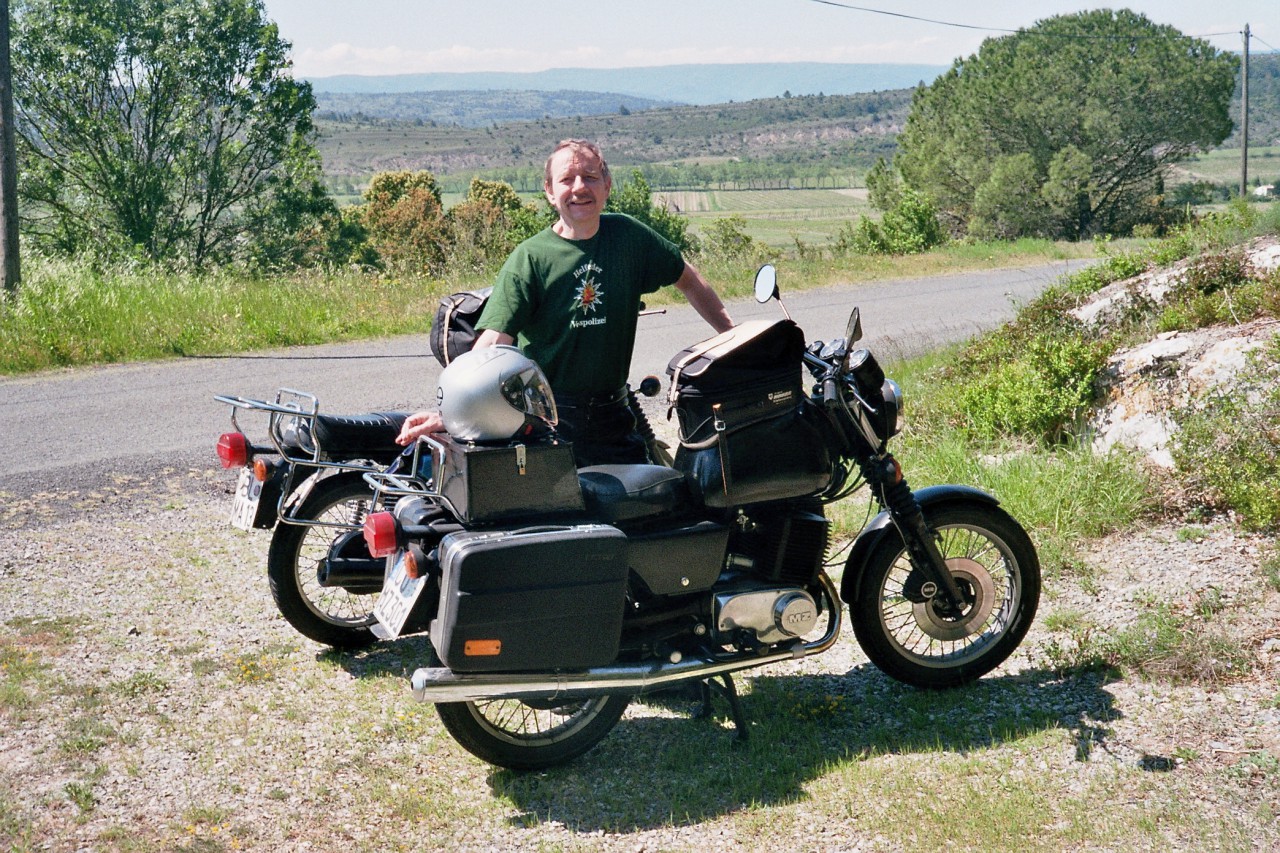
(703, 299)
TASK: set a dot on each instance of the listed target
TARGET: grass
(72, 314)
(69, 314)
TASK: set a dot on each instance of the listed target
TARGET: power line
(1005, 29)
(912, 17)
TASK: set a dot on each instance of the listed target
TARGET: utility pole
(10, 271)
(1244, 118)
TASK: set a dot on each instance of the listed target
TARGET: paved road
(89, 423)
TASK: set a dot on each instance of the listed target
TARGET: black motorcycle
(552, 596)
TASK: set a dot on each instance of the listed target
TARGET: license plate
(245, 507)
(399, 593)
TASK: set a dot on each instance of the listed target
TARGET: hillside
(689, 84)
(506, 133)
(477, 108)
(810, 133)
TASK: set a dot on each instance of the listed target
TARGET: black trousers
(604, 431)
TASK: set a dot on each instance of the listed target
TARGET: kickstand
(723, 685)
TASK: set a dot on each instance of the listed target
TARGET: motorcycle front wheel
(995, 565)
(332, 615)
(528, 734)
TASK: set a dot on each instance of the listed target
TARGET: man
(569, 297)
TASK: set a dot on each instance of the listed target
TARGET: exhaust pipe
(441, 684)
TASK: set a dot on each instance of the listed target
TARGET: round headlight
(892, 407)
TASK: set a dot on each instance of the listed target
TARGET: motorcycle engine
(778, 550)
(766, 615)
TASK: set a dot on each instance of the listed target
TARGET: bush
(406, 222)
(726, 239)
(909, 227)
(1039, 393)
(1228, 445)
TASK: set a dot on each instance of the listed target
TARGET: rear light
(233, 450)
(380, 534)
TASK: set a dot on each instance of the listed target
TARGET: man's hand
(419, 424)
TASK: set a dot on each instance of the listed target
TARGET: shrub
(909, 227)
(1228, 445)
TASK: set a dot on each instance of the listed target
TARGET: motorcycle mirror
(766, 283)
(853, 331)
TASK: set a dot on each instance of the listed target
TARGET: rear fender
(931, 499)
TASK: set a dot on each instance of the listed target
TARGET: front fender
(930, 498)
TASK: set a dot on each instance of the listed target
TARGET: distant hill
(474, 108)
(689, 84)
(812, 135)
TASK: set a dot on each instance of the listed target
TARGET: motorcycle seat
(614, 493)
(371, 436)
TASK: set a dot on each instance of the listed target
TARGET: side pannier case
(537, 598)
(748, 432)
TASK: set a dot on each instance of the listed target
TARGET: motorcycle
(553, 596)
(306, 486)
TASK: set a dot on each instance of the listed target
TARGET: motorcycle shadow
(659, 766)
(662, 765)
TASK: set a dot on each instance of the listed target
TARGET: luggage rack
(291, 428)
(389, 485)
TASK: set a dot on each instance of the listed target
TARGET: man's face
(578, 188)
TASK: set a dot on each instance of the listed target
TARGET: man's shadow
(660, 765)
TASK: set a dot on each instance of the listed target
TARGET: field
(775, 217)
(1223, 166)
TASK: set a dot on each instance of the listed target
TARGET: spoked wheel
(330, 615)
(996, 568)
(530, 734)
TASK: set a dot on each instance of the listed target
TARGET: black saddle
(340, 437)
(614, 493)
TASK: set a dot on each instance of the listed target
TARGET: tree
(635, 198)
(1100, 102)
(166, 128)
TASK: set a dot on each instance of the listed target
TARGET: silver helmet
(495, 394)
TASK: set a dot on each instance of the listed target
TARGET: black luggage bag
(748, 432)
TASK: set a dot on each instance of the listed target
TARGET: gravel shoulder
(152, 699)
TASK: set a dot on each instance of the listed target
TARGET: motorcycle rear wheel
(530, 735)
(995, 565)
(329, 615)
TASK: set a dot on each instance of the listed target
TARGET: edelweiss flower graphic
(588, 298)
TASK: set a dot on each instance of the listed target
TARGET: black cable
(301, 357)
(1005, 30)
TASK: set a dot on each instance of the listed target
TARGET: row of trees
(173, 130)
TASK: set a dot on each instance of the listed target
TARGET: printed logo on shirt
(588, 296)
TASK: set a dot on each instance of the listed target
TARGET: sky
(406, 36)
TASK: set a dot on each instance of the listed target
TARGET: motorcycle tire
(997, 569)
(528, 734)
(329, 615)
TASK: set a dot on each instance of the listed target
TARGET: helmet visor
(529, 392)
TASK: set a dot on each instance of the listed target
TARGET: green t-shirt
(572, 305)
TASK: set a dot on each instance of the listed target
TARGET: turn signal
(412, 568)
(233, 450)
(380, 534)
(261, 470)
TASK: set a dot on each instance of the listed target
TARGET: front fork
(930, 579)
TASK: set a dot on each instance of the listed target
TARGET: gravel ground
(151, 699)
